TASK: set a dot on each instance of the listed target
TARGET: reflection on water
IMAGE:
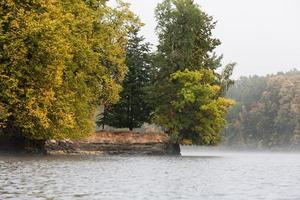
(199, 174)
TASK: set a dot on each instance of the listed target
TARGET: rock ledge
(114, 143)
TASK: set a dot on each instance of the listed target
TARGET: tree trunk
(173, 149)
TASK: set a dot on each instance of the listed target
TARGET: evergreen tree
(133, 109)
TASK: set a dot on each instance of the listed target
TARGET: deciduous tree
(189, 91)
(59, 60)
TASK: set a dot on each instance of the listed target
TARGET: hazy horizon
(260, 36)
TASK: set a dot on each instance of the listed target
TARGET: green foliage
(267, 113)
(185, 37)
(224, 78)
(58, 61)
(188, 91)
(133, 109)
(196, 109)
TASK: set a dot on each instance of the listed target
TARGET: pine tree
(133, 109)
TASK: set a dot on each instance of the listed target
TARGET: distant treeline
(267, 111)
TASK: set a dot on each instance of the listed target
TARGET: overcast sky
(262, 36)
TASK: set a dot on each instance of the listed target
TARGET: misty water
(198, 174)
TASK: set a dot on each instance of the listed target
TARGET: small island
(94, 106)
(65, 67)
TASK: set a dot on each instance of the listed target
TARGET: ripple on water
(199, 175)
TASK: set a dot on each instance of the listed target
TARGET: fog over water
(198, 174)
(262, 37)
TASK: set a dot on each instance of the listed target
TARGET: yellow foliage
(59, 60)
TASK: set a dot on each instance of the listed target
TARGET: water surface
(198, 174)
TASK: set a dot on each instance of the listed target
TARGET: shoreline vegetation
(60, 62)
(267, 112)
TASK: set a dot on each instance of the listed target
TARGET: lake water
(198, 174)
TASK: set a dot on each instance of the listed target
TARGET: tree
(185, 37)
(133, 109)
(196, 111)
(224, 78)
(188, 89)
(267, 111)
(59, 60)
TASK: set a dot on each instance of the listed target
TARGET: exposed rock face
(115, 143)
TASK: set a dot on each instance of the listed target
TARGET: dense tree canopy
(267, 113)
(58, 61)
(61, 60)
(188, 89)
(196, 110)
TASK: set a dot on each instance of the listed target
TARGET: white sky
(262, 36)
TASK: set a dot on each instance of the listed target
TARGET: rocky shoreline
(114, 143)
